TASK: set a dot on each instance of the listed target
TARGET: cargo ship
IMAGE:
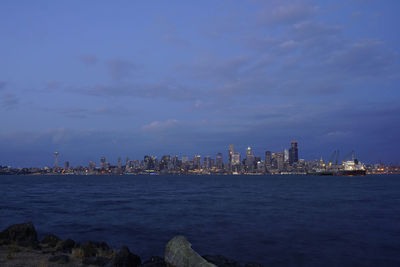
(348, 168)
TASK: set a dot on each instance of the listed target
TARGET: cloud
(88, 59)
(364, 58)
(2, 85)
(80, 113)
(157, 126)
(286, 14)
(167, 89)
(120, 69)
(174, 39)
(9, 100)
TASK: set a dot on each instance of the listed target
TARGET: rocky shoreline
(19, 246)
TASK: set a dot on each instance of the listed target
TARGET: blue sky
(131, 78)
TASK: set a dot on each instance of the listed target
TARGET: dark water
(274, 220)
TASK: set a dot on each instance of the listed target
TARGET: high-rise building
(67, 165)
(293, 153)
(286, 155)
(219, 163)
(206, 163)
(250, 161)
(119, 163)
(197, 162)
(127, 163)
(55, 160)
(236, 165)
(268, 160)
(103, 163)
(185, 159)
(231, 151)
(280, 161)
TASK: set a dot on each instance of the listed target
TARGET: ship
(351, 167)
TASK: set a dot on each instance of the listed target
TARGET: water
(274, 220)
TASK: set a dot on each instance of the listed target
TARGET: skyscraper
(119, 163)
(249, 159)
(268, 159)
(231, 151)
(197, 162)
(286, 155)
(55, 160)
(293, 153)
(219, 161)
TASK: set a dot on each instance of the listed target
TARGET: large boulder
(60, 259)
(221, 261)
(66, 245)
(50, 241)
(125, 258)
(93, 249)
(179, 253)
(23, 234)
(154, 261)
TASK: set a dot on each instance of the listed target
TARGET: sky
(133, 78)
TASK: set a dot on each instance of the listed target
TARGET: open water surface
(274, 220)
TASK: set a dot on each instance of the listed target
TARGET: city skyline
(102, 79)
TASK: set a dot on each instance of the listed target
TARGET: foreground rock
(19, 246)
(179, 253)
(23, 234)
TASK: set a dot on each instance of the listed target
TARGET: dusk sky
(133, 78)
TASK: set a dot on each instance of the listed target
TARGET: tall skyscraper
(286, 155)
(119, 163)
(231, 151)
(67, 165)
(197, 162)
(219, 162)
(280, 161)
(249, 159)
(55, 160)
(293, 153)
(103, 162)
(268, 159)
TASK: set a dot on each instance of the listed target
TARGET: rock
(50, 240)
(253, 264)
(97, 261)
(23, 234)
(125, 258)
(155, 261)
(61, 259)
(92, 249)
(179, 253)
(221, 261)
(66, 245)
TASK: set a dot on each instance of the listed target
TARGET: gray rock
(93, 249)
(96, 261)
(179, 253)
(253, 264)
(154, 261)
(221, 261)
(50, 240)
(23, 234)
(61, 259)
(66, 245)
(125, 258)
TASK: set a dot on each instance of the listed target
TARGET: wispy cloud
(89, 59)
(120, 69)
